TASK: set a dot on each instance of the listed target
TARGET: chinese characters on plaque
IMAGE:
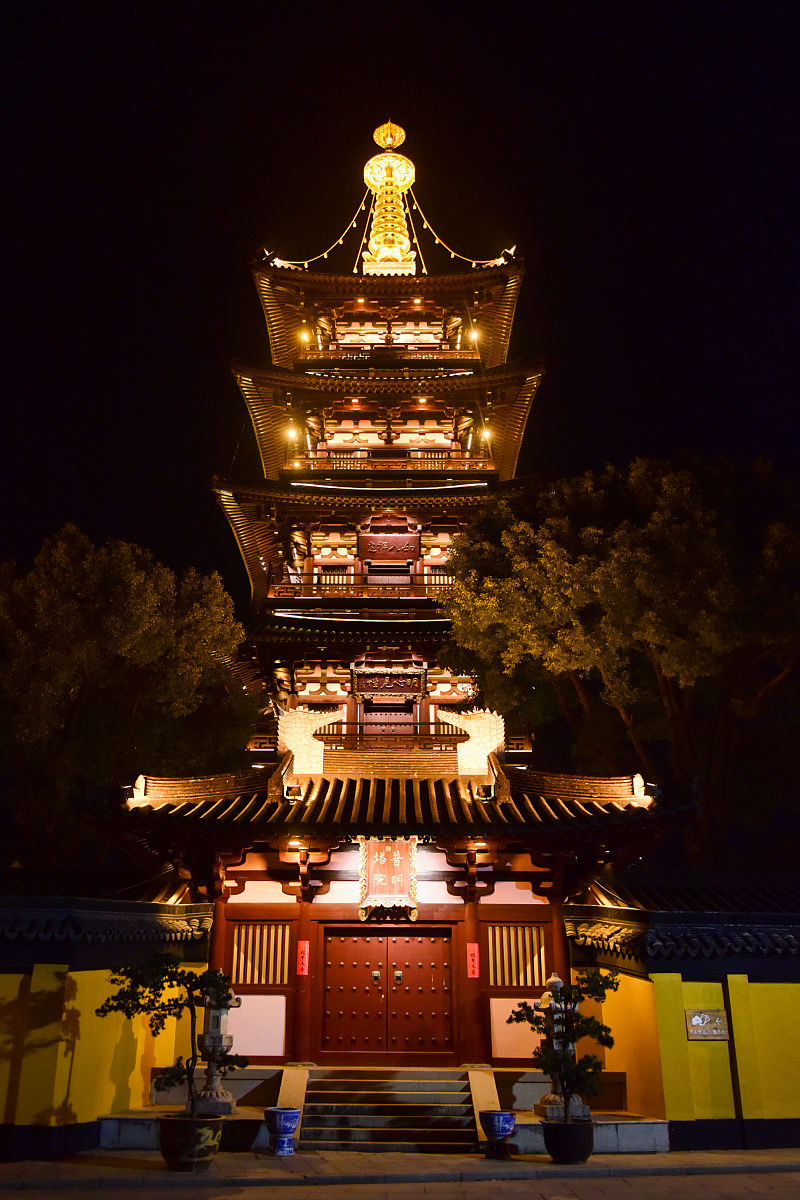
(388, 875)
(706, 1025)
(372, 683)
(389, 547)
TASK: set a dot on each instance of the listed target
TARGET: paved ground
(714, 1175)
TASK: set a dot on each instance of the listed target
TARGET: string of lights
(475, 262)
(414, 236)
(304, 263)
(364, 234)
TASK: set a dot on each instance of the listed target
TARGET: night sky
(643, 158)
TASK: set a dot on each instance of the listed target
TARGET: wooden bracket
(472, 888)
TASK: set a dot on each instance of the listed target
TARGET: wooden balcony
(418, 351)
(390, 735)
(333, 460)
(348, 589)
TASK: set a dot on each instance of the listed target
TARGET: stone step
(423, 1112)
(371, 1120)
(368, 1073)
(385, 1097)
(613, 1134)
(410, 1147)
(349, 1135)
(330, 1086)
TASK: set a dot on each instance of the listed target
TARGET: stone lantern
(215, 1043)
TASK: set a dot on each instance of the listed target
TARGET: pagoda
(385, 883)
(391, 875)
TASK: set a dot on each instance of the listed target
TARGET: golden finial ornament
(389, 136)
(388, 176)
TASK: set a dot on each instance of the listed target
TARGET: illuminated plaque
(389, 547)
(387, 875)
(407, 684)
(706, 1025)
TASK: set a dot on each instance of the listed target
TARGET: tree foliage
(561, 1025)
(110, 666)
(665, 598)
(161, 987)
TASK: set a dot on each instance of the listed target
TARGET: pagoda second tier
(409, 417)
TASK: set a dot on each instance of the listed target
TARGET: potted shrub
(558, 1018)
(160, 987)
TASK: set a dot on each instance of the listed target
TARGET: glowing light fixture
(388, 176)
(304, 335)
(474, 335)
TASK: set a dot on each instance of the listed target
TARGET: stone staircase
(403, 1109)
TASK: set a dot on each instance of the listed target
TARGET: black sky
(643, 157)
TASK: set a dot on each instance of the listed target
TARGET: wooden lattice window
(516, 955)
(260, 953)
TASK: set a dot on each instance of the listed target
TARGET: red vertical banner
(302, 958)
(473, 961)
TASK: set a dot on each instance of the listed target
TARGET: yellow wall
(60, 1063)
(767, 1043)
(631, 1014)
(696, 1075)
(12, 988)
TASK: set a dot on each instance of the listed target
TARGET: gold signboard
(706, 1025)
(372, 684)
(387, 875)
(388, 547)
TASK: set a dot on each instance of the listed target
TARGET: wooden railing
(286, 589)
(420, 350)
(333, 460)
(389, 735)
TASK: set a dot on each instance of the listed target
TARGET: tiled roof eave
(635, 934)
(72, 921)
(363, 805)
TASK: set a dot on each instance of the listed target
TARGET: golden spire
(388, 175)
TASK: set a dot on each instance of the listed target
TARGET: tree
(668, 598)
(161, 987)
(562, 1024)
(109, 664)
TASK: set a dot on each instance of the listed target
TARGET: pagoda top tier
(389, 231)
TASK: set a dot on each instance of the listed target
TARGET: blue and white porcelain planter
(281, 1123)
(498, 1125)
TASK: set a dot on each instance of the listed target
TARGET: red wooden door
(420, 995)
(390, 992)
(354, 1009)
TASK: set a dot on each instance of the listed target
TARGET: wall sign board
(706, 1025)
(473, 961)
(302, 958)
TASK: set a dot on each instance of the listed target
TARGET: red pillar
(561, 957)
(216, 939)
(301, 1028)
(472, 1043)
